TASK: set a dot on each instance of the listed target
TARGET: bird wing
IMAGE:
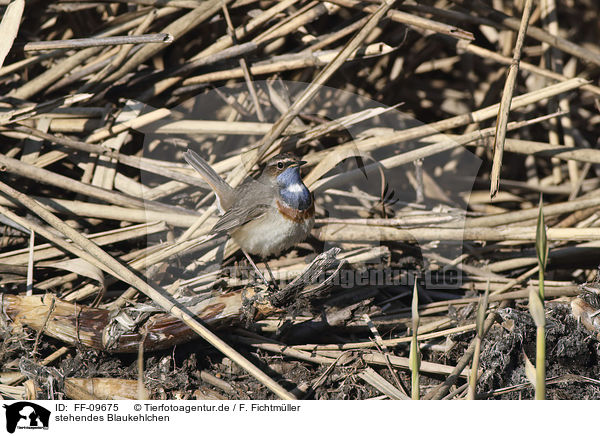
(238, 216)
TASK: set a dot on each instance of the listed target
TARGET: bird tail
(223, 190)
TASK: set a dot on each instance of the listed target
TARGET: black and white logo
(26, 415)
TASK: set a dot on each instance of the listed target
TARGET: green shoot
(414, 358)
(541, 247)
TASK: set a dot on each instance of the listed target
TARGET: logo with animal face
(26, 415)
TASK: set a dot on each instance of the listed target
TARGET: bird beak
(299, 163)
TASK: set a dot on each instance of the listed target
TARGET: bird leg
(260, 274)
(271, 275)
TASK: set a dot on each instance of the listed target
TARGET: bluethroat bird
(264, 215)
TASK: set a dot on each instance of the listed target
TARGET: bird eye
(280, 165)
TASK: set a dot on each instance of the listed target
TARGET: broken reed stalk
(142, 394)
(505, 103)
(341, 232)
(481, 310)
(9, 26)
(30, 262)
(415, 354)
(160, 38)
(413, 20)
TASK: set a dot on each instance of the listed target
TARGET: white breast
(271, 234)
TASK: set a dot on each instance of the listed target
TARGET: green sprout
(536, 307)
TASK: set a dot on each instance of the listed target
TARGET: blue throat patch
(292, 190)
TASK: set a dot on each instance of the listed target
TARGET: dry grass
(410, 115)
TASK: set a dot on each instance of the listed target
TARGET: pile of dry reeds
(432, 131)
